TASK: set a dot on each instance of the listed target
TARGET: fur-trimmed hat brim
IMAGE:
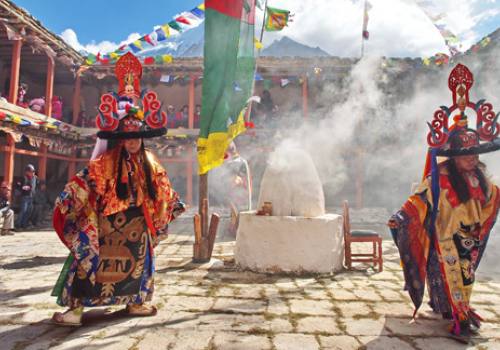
(127, 135)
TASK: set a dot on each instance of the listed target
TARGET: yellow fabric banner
(211, 150)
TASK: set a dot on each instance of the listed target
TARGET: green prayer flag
(175, 25)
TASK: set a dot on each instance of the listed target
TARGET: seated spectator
(38, 105)
(41, 205)
(6, 213)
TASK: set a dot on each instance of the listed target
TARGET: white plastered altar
(295, 244)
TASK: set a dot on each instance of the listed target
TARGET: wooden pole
(263, 22)
(9, 160)
(191, 102)
(305, 98)
(189, 177)
(363, 29)
(203, 203)
(42, 162)
(49, 86)
(197, 236)
(201, 244)
(14, 71)
(76, 99)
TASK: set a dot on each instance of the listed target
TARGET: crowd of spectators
(36, 104)
(180, 118)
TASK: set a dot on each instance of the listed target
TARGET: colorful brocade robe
(448, 260)
(111, 241)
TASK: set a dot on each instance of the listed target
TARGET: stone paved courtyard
(224, 308)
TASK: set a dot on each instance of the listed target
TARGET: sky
(397, 27)
(103, 23)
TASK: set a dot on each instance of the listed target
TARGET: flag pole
(362, 32)
(263, 24)
(258, 54)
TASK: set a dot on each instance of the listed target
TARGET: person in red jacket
(113, 213)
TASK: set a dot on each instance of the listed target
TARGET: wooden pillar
(204, 230)
(189, 177)
(203, 203)
(76, 99)
(42, 162)
(49, 86)
(191, 102)
(14, 71)
(9, 160)
(71, 169)
(305, 98)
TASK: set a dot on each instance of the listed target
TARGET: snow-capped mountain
(190, 44)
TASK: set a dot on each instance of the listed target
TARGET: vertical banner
(229, 65)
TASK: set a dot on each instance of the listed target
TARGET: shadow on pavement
(34, 262)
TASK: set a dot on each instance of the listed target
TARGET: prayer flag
(182, 19)
(167, 58)
(258, 44)
(228, 58)
(439, 21)
(166, 30)
(198, 13)
(166, 78)
(175, 25)
(365, 33)
(135, 46)
(147, 38)
(276, 19)
(160, 34)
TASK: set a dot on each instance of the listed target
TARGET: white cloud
(70, 37)
(397, 27)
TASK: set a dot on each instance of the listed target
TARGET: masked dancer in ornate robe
(442, 230)
(113, 213)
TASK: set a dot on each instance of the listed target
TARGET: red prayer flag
(149, 60)
(181, 19)
(147, 38)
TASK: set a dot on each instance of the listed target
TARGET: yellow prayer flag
(485, 41)
(167, 58)
(258, 44)
(166, 29)
(138, 44)
(202, 7)
(426, 61)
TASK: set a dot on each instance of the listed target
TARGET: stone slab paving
(217, 306)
